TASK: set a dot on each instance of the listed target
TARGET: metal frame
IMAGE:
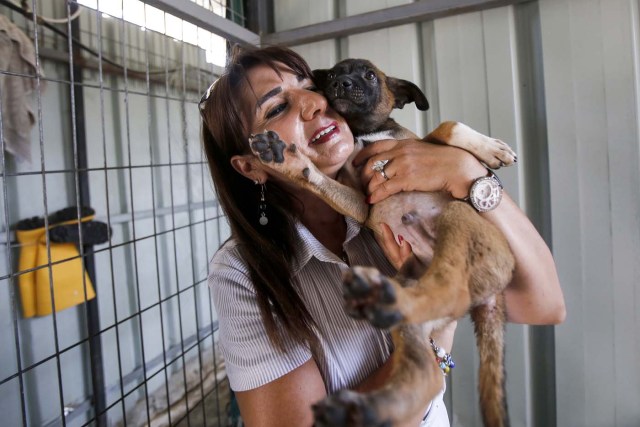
(206, 19)
(419, 11)
(413, 12)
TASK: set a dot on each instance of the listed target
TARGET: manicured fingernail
(400, 238)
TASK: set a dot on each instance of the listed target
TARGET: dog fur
(460, 264)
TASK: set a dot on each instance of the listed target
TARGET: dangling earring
(263, 206)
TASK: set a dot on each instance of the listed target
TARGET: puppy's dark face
(361, 93)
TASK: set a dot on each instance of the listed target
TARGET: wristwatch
(485, 193)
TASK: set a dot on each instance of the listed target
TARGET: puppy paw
(496, 153)
(268, 147)
(279, 155)
(372, 296)
(346, 408)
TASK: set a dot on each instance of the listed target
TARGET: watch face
(485, 194)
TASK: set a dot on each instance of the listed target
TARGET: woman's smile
(325, 134)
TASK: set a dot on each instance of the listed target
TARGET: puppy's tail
(489, 322)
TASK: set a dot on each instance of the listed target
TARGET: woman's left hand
(415, 165)
(396, 253)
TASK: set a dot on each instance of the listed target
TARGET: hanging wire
(11, 279)
(203, 185)
(155, 223)
(70, 17)
(175, 255)
(103, 128)
(193, 258)
(123, 35)
(46, 214)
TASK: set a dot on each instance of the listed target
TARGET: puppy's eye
(370, 75)
(331, 75)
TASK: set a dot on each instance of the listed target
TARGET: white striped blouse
(352, 348)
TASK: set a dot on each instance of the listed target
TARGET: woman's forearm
(534, 295)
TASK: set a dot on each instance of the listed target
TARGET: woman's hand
(396, 252)
(415, 165)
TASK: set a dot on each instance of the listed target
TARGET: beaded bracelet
(444, 359)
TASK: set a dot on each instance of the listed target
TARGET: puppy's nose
(345, 82)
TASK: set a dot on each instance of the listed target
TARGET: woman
(276, 283)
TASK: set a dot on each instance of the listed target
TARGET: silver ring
(379, 165)
(384, 175)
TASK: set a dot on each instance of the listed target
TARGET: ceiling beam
(418, 11)
(207, 20)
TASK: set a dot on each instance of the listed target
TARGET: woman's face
(288, 105)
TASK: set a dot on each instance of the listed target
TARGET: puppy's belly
(411, 215)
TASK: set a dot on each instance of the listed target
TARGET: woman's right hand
(415, 165)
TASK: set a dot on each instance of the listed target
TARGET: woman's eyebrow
(273, 92)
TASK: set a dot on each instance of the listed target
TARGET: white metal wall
(558, 80)
(592, 85)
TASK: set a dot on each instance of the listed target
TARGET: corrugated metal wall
(558, 80)
(591, 82)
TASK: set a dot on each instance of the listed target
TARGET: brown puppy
(460, 263)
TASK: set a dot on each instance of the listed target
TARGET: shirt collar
(308, 246)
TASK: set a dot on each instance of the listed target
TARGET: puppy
(460, 262)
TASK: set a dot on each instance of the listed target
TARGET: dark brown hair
(269, 251)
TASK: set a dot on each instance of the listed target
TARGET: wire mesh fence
(109, 220)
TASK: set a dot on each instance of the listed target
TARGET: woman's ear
(249, 166)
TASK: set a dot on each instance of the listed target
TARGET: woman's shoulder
(227, 267)
(227, 253)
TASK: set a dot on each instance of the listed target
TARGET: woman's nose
(312, 104)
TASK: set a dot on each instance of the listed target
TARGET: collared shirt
(353, 349)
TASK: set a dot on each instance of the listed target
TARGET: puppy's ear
(405, 92)
(320, 78)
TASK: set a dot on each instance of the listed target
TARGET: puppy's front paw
(370, 295)
(346, 408)
(280, 156)
(496, 153)
(268, 147)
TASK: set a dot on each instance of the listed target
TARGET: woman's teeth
(323, 133)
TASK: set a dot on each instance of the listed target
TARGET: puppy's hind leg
(414, 380)
(472, 262)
